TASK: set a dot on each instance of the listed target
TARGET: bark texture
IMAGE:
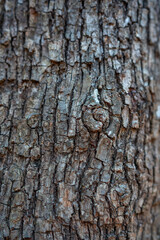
(79, 119)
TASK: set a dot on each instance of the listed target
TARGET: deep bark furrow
(79, 119)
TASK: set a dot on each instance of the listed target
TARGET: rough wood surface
(79, 119)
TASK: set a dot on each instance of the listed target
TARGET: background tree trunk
(79, 119)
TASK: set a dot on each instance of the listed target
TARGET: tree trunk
(79, 119)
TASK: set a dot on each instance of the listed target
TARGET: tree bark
(79, 119)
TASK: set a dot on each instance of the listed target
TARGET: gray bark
(79, 119)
